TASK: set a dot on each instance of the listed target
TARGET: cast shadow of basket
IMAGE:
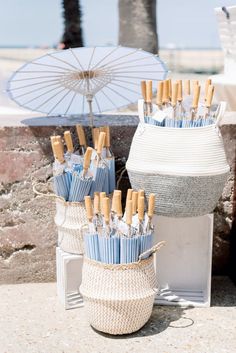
(162, 318)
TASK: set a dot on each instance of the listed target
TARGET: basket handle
(220, 113)
(151, 251)
(45, 194)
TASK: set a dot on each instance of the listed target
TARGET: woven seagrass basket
(185, 167)
(70, 218)
(119, 298)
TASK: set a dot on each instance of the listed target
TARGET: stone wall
(27, 231)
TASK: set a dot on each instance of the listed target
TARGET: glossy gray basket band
(181, 196)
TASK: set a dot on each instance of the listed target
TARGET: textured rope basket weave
(185, 167)
(70, 218)
(119, 298)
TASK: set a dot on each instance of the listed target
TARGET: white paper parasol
(60, 83)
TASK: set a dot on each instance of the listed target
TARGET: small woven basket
(119, 298)
(70, 218)
(185, 167)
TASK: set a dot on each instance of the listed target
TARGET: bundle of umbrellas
(82, 172)
(172, 109)
(112, 237)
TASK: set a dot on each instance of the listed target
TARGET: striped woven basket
(185, 167)
(119, 298)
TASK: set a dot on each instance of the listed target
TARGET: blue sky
(185, 23)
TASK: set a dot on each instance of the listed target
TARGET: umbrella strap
(120, 177)
(151, 251)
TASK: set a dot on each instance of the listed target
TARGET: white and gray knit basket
(185, 167)
(119, 298)
(70, 218)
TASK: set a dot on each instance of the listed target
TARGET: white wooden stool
(69, 277)
(183, 265)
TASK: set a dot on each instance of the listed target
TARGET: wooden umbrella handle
(81, 135)
(113, 204)
(129, 195)
(53, 140)
(101, 140)
(87, 158)
(95, 133)
(58, 152)
(134, 202)
(89, 208)
(106, 129)
(151, 205)
(165, 98)
(196, 95)
(187, 87)
(174, 94)
(143, 90)
(96, 203)
(149, 91)
(210, 93)
(159, 93)
(68, 141)
(106, 209)
(180, 91)
(128, 212)
(101, 197)
(170, 88)
(207, 84)
(118, 206)
(141, 209)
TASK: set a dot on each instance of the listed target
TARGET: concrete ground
(33, 321)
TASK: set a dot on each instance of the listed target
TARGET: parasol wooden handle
(151, 205)
(187, 87)
(129, 195)
(96, 203)
(58, 152)
(174, 94)
(68, 141)
(81, 135)
(149, 91)
(106, 209)
(101, 140)
(209, 97)
(118, 205)
(53, 140)
(196, 95)
(143, 90)
(170, 88)
(102, 195)
(89, 208)
(95, 137)
(113, 204)
(87, 158)
(207, 84)
(128, 212)
(165, 98)
(134, 202)
(140, 194)
(180, 91)
(106, 129)
(159, 93)
(141, 208)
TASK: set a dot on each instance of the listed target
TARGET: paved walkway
(33, 321)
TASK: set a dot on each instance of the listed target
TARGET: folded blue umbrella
(146, 242)
(61, 185)
(129, 249)
(92, 246)
(80, 187)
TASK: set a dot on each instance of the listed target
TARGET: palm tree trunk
(137, 24)
(72, 36)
